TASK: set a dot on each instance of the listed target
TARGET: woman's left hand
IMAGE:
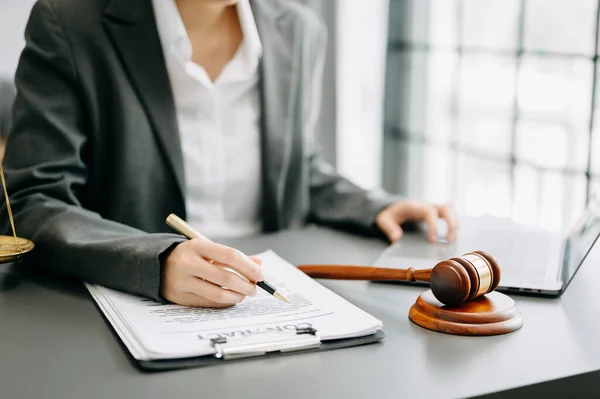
(390, 219)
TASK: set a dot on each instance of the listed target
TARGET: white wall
(361, 52)
(13, 18)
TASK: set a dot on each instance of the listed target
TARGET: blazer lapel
(133, 29)
(278, 79)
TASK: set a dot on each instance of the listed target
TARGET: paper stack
(153, 331)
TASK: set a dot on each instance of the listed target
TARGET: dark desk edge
(580, 386)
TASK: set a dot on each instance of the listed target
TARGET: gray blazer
(93, 161)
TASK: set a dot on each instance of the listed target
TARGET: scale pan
(11, 250)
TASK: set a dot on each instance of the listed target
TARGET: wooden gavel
(452, 281)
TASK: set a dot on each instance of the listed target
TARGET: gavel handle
(347, 272)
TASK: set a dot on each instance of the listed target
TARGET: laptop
(532, 261)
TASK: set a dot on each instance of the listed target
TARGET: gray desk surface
(55, 344)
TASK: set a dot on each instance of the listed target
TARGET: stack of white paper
(152, 330)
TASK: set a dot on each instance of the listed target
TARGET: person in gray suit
(129, 110)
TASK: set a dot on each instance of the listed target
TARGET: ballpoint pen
(179, 225)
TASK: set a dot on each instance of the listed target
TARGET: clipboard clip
(260, 344)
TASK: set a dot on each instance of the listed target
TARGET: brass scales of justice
(12, 248)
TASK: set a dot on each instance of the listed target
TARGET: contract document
(153, 331)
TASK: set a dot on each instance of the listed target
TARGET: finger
(230, 257)
(210, 291)
(447, 213)
(193, 300)
(222, 277)
(430, 216)
(390, 227)
(256, 260)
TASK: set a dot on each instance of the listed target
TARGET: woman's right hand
(194, 274)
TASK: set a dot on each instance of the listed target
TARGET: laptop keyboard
(522, 256)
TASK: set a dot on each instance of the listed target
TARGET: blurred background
(487, 104)
(492, 103)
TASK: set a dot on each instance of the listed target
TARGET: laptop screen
(581, 240)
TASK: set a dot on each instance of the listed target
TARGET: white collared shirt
(218, 127)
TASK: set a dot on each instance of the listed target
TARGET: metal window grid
(396, 133)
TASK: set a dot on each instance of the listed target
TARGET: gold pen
(179, 225)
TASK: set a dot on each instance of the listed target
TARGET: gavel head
(461, 279)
